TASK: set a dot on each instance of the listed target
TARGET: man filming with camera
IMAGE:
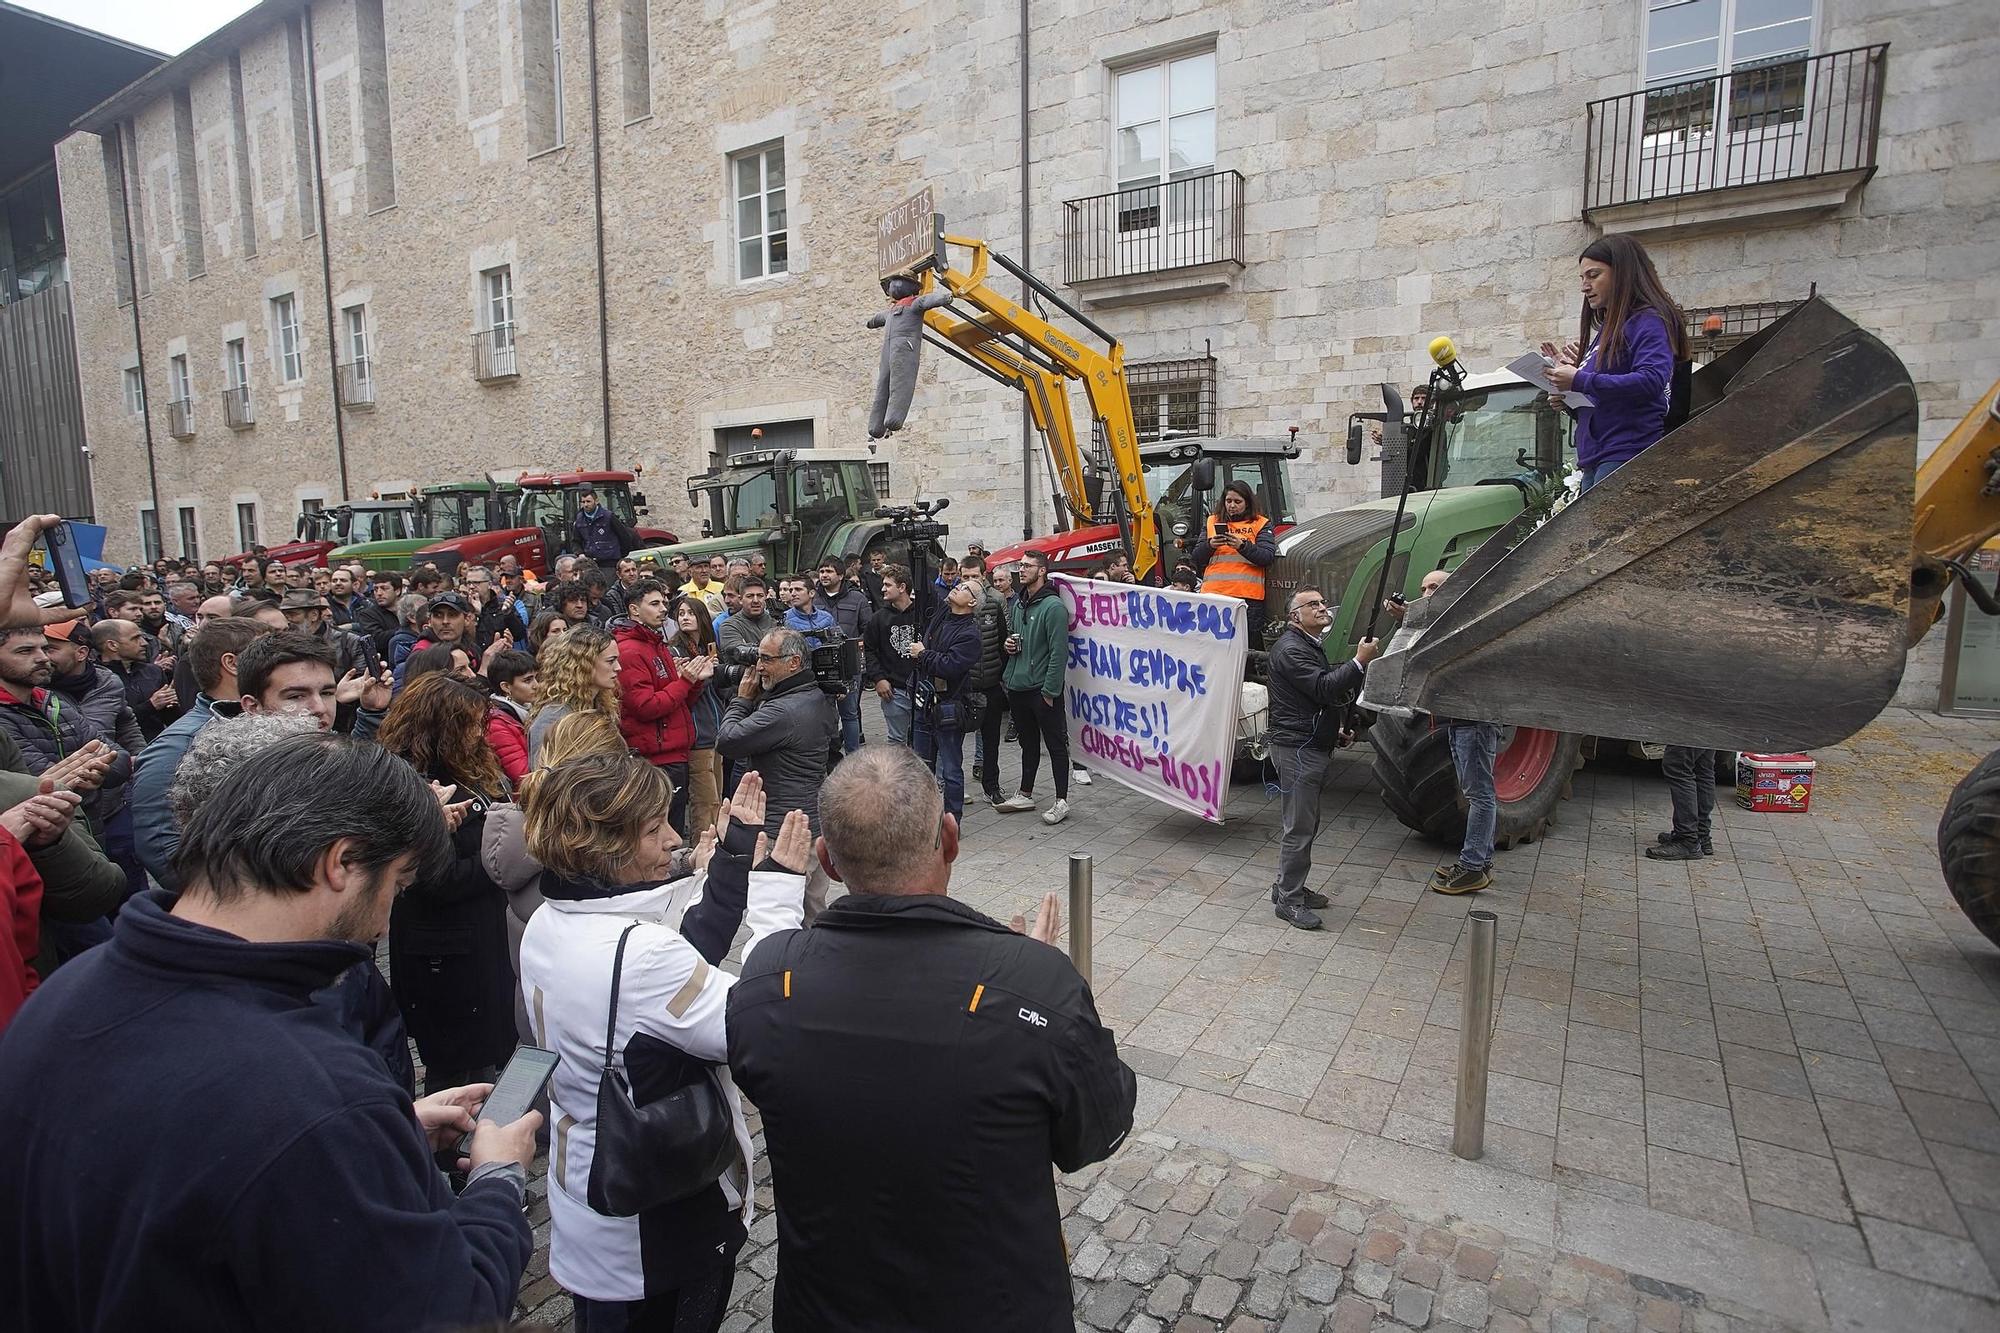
(946, 654)
(781, 725)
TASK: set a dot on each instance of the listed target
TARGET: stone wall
(1405, 173)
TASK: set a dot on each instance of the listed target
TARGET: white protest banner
(1152, 686)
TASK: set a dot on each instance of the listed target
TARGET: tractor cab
(549, 502)
(438, 513)
(792, 502)
(1497, 430)
(376, 521)
(1183, 493)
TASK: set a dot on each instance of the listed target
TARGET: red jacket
(653, 700)
(21, 932)
(509, 740)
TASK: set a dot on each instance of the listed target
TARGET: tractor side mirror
(707, 528)
(638, 502)
(301, 534)
(1353, 440)
(1204, 474)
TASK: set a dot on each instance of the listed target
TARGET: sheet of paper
(1534, 368)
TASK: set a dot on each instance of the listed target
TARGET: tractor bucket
(1744, 584)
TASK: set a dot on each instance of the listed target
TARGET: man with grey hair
(981, 1046)
(219, 747)
(1309, 698)
(781, 725)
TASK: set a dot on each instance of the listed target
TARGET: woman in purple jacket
(1634, 334)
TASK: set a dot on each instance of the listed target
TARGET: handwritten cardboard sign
(906, 235)
(1152, 687)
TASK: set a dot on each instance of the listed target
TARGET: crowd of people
(226, 786)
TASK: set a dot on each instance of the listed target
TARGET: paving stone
(1215, 1297)
(1304, 1319)
(1192, 1255)
(1281, 1256)
(1100, 1203)
(1474, 1262)
(1334, 1246)
(1382, 1247)
(1464, 1302)
(1321, 1282)
(1144, 1263)
(1236, 1259)
(1422, 1269)
(1266, 1297)
(1900, 1192)
(1259, 1225)
(1519, 1294)
(1929, 1257)
(1801, 1182)
(1168, 1297)
(1090, 1258)
(1369, 1278)
(1411, 1304)
(1108, 1304)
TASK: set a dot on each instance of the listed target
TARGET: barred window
(1172, 399)
(1717, 328)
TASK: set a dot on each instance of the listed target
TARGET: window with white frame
(190, 534)
(291, 356)
(497, 284)
(556, 77)
(149, 533)
(356, 318)
(1166, 127)
(237, 357)
(246, 525)
(183, 379)
(135, 394)
(1751, 51)
(763, 245)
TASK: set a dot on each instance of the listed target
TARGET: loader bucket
(1743, 584)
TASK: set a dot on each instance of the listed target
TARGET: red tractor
(321, 530)
(546, 509)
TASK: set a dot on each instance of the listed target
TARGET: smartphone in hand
(68, 561)
(514, 1095)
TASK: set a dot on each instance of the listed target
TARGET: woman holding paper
(1634, 335)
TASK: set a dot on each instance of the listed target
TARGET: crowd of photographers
(221, 787)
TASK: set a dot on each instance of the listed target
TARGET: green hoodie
(1043, 627)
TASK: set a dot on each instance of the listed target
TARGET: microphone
(1445, 353)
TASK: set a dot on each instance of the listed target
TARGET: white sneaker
(1080, 776)
(1056, 813)
(1019, 803)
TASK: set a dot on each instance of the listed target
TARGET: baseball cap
(450, 601)
(62, 629)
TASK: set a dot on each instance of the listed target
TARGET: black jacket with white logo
(918, 1067)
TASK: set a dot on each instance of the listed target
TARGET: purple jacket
(1631, 411)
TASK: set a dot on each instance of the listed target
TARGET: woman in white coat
(598, 826)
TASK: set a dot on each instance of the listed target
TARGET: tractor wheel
(1531, 774)
(1969, 845)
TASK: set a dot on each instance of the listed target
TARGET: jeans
(943, 748)
(1302, 774)
(1040, 723)
(896, 716)
(850, 717)
(1473, 745)
(1690, 777)
(986, 747)
(1597, 472)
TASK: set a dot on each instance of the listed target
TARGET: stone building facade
(1340, 180)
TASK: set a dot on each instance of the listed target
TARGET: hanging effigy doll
(902, 342)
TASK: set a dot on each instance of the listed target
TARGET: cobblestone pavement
(1758, 1089)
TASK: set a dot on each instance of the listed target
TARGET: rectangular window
(239, 364)
(498, 284)
(1172, 400)
(190, 534)
(372, 74)
(246, 526)
(1690, 42)
(149, 533)
(183, 381)
(762, 243)
(636, 58)
(356, 317)
(541, 72)
(291, 358)
(1166, 120)
(135, 392)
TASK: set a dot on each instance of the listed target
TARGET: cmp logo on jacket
(1031, 1017)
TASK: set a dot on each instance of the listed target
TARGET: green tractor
(456, 509)
(1495, 449)
(798, 506)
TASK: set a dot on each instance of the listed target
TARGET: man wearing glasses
(781, 725)
(1309, 697)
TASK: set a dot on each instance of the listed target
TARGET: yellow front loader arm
(1016, 346)
(1958, 508)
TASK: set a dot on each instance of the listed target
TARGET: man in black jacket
(886, 661)
(1307, 696)
(918, 1067)
(149, 691)
(282, 1179)
(850, 609)
(780, 725)
(945, 657)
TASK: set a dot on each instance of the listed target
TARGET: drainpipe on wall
(132, 243)
(325, 259)
(597, 205)
(1028, 266)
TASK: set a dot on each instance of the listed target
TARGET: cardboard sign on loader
(1153, 687)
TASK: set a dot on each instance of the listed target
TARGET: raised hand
(746, 807)
(1048, 920)
(794, 848)
(17, 599)
(83, 769)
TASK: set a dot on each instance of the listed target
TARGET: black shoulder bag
(666, 1150)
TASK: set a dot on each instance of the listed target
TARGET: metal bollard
(1475, 1040)
(1079, 911)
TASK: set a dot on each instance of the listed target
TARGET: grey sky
(165, 25)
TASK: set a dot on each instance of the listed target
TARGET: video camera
(835, 665)
(916, 526)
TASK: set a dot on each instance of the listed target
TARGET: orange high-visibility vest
(1228, 573)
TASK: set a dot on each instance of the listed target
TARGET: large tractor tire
(1531, 776)
(1969, 845)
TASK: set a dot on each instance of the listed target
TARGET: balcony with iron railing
(493, 355)
(1155, 242)
(1788, 135)
(237, 413)
(180, 418)
(357, 384)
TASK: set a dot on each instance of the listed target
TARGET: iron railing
(1789, 119)
(1172, 399)
(237, 414)
(1154, 228)
(493, 356)
(357, 383)
(180, 418)
(1714, 329)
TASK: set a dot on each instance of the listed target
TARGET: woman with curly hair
(547, 627)
(449, 964)
(579, 675)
